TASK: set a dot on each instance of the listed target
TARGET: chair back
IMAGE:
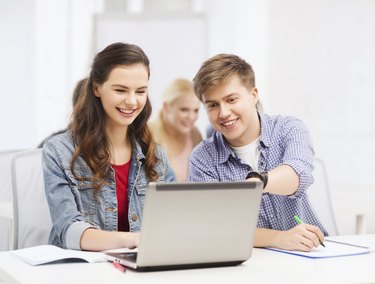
(32, 220)
(5, 174)
(320, 198)
(6, 205)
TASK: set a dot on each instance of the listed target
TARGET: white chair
(6, 206)
(32, 221)
(320, 198)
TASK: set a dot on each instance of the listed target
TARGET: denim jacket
(71, 202)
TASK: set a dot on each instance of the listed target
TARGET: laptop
(195, 225)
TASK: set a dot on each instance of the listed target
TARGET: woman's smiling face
(124, 94)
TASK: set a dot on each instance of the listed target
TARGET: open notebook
(52, 254)
(333, 249)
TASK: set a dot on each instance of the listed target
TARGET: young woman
(174, 127)
(96, 174)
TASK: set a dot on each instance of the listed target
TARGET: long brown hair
(88, 118)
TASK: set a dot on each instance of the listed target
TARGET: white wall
(17, 105)
(46, 47)
(241, 27)
(64, 36)
(322, 69)
(313, 59)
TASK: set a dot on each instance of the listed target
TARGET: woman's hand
(133, 240)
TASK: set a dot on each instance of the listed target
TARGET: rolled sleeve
(67, 222)
(74, 234)
(305, 177)
(299, 154)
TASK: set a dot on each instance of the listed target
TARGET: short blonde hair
(177, 88)
(218, 69)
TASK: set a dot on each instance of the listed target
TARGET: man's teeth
(229, 123)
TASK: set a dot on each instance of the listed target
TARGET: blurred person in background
(174, 128)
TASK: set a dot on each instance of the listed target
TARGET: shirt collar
(137, 151)
(265, 130)
(227, 151)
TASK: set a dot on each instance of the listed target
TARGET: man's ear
(255, 97)
(96, 90)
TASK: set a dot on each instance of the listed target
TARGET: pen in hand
(298, 220)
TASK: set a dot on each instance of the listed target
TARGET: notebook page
(49, 253)
(332, 249)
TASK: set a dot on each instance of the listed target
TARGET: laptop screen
(197, 223)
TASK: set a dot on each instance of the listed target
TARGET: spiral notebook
(332, 248)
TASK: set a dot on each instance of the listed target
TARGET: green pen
(299, 221)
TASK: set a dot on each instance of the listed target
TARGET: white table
(264, 267)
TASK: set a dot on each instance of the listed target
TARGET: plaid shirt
(284, 140)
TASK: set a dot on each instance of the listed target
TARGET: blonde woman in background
(174, 128)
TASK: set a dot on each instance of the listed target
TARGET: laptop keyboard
(131, 256)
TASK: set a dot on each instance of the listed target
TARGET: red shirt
(121, 176)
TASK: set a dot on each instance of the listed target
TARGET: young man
(249, 144)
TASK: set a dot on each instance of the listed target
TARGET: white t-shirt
(249, 153)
